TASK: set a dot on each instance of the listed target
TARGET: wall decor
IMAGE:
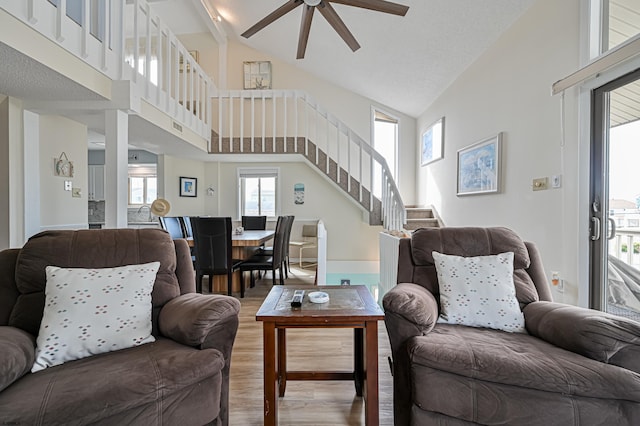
(62, 166)
(188, 187)
(432, 143)
(479, 167)
(195, 55)
(257, 75)
(298, 193)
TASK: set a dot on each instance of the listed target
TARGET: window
(143, 184)
(385, 141)
(258, 192)
(613, 22)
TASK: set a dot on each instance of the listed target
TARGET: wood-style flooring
(305, 403)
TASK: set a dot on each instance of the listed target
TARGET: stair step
(419, 213)
(413, 224)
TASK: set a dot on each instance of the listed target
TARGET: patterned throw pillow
(91, 311)
(479, 291)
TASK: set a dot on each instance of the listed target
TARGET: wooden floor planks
(305, 403)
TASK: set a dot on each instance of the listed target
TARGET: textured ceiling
(404, 62)
(24, 78)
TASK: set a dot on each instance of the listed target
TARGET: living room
(506, 90)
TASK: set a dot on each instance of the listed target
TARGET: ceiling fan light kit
(329, 13)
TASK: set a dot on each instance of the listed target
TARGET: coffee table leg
(358, 359)
(371, 416)
(270, 374)
(282, 361)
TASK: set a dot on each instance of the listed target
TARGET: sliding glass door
(615, 197)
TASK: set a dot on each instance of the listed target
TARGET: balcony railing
(626, 245)
(124, 40)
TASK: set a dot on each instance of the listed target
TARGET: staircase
(421, 217)
(290, 122)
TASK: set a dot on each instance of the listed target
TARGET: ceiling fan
(329, 13)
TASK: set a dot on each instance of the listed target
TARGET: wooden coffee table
(348, 307)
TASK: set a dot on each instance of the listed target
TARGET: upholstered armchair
(502, 361)
(148, 350)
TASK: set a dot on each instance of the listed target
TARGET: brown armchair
(571, 366)
(181, 378)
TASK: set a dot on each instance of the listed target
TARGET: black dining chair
(287, 225)
(254, 223)
(186, 225)
(172, 225)
(213, 251)
(267, 262)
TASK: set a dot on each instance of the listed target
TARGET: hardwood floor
(305, 403)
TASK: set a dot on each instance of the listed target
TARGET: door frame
(598, 187)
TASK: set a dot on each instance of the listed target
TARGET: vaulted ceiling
(404, 62)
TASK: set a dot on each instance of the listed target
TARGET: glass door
(615, 197)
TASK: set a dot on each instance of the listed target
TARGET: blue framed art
(479, 167)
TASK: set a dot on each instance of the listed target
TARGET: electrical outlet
(557, 282)
(67, 185)
(540, 184)
(556, 181)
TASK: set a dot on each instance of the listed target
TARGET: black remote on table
(298, 296)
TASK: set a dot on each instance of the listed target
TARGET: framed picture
(188, 187)
(479, 167)
(432, 143)
(257, 75)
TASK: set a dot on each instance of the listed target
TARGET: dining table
(243, 246)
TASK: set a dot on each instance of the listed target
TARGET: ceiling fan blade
(276, 14)
(377, 5)
(332, 17)
(305, 28)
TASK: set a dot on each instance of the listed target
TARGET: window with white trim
(258, 191)
(143, 184)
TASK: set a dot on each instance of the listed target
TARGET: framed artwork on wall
(188, 187)
(479, 167)
(257, 75)
(432, 143)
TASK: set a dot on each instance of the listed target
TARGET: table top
(247, 238)
(353, 302)
(252, 238)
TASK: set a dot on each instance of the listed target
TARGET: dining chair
(267, 262)
(254, 223)
(309, 240)
(172, 225)
(186, 224)
(213, 251)
(287, 225)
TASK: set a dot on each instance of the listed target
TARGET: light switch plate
(67, 185)
(76, 193)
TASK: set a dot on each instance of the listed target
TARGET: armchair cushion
(17, 352)
(190, 318)
(478, 291)
(594, 334)
(91, 311)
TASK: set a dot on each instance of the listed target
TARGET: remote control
(298, 296)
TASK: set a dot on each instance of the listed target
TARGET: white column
(31, 174)
(116, 168)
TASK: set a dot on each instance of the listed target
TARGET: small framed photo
(188, 187)
(257, 75)
(479, 167)
(432, 143)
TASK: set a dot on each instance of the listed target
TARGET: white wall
(58, 208)
(170, 169)
(509, 90)
(349, 237)
(4, 173)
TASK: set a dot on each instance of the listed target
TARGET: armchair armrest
(196, 320)
(410, 310)
(597, 335)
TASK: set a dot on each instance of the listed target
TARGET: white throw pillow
(478, 291)
(91, 311)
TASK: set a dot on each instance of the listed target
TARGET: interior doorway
(615, 197)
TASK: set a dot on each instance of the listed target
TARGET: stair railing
(277, 121)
